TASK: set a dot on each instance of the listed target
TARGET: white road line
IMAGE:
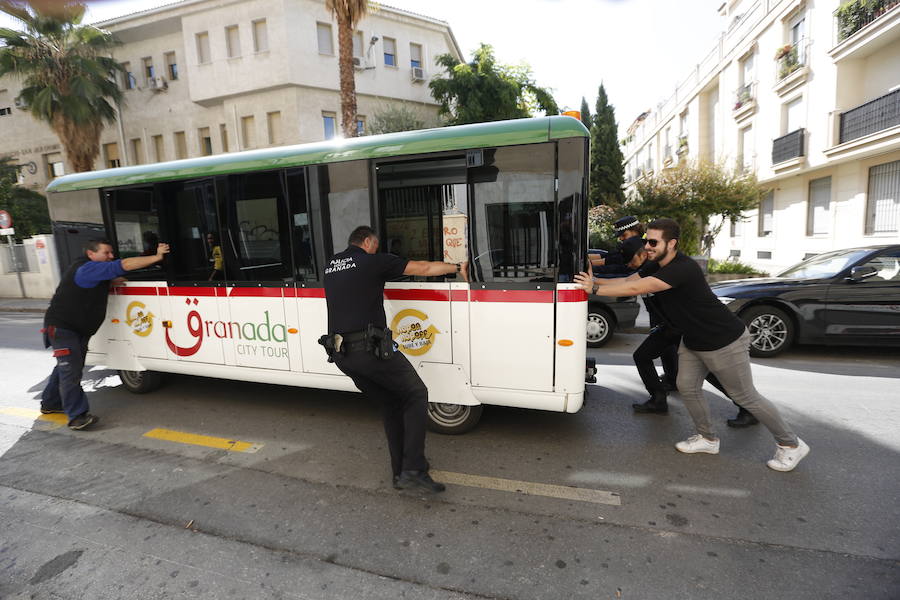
(710, 491)
(530, 488)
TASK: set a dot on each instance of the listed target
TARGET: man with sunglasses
(713, 340)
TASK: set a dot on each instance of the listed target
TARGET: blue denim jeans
(64, 387)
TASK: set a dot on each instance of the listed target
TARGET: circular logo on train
(412, 332)
(139, 319)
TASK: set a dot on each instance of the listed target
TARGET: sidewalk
(34, 305)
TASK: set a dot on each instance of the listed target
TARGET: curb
(22, 309)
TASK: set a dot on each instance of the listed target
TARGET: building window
(360, 125)
(734, 254)
(747, 69)
(232, 41)
(260, 36)
(883, 204)
(390, 52)
(358, 44)
(180, 145)
(130, 82)
(203, 54)
(323, 31)
(137, 151)
(415, 55)
(273, 124)
(736, 227)
(111, 155)
(818, 216)
(766, 214)
(745, 151)
(171, 66)
(329, 121)
(248, 131)
(159, 148)
(205, 141)
(683, 124)
(793, 115)
(149, 71)
(5, 111)
(223, 134)
(55, 165)
(764, 254)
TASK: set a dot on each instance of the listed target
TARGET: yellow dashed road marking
(527, 487)
(29, 413)
(182, 437)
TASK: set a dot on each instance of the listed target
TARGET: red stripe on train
(133, 291)
(192, 291)
(433, 295)
(255, 292)
(571, 296)
(534, 296)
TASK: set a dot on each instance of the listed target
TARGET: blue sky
(640, 49)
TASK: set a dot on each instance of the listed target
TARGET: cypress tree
(607, 168)
(586, 114)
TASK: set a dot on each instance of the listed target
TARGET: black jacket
(75, 308)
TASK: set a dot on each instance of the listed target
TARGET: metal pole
(14, 261)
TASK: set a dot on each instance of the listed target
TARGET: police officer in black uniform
(360, 345)
(630, 234)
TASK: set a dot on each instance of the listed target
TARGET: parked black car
(847, 296)
(606, 314)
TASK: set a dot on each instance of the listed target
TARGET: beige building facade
(807, 102)
(212, 76)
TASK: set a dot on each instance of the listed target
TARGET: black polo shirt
(691, 307)
(354, 288)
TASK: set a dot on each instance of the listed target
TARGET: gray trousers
(731, 364)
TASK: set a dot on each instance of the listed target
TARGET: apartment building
(806, 96)
(212, 76)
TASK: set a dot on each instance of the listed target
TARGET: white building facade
(807, 99)
(212, 76)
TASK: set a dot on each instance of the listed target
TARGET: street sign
(8, 231)
(5, 220)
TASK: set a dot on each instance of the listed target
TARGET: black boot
(656, 404)
(743, 419)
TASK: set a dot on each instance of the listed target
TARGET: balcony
(791, 68)
(871, 117)
(788, 147)
(682, 146)
(744, 101)
(865, 26)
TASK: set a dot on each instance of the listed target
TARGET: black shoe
(418, 479)
(743, 419)
(83, 421)
(652, 406)
(396, 482)
(51, 411)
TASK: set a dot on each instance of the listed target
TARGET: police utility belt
(375, 340)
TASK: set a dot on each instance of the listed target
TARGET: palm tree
(347, 13)
(68, 81)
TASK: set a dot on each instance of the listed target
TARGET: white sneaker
(698, 443)
(787, 458)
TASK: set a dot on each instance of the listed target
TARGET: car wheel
(771, 330)
(600, 326)
(140, 382)
(452, 419)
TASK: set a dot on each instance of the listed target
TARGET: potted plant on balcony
(682, 145)
(789, 59)
(744, 96)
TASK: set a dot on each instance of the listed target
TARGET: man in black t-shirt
(713, 340)
(354, 293)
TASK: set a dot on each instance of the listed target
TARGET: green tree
(607, 164)
(394, 117)
(66, 74)
(347, 13)
(28, 208)
(693, 194)
(484, 90)
(586, 118)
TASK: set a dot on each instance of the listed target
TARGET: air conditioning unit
(418, 74)
(357, 62)
(20, 103)
(158, 83)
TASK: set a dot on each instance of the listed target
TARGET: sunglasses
(651, 242)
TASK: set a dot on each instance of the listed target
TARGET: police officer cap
(625, 223)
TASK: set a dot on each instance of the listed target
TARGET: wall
(40, 284)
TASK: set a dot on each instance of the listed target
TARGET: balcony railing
(853, 16)
(788, 146)
(870, 117)
(789, 58)
(743, 96)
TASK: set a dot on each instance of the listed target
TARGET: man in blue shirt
(75, 314)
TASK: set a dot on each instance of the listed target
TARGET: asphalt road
(306, 509)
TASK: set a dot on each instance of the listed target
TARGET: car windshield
(825, 265)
